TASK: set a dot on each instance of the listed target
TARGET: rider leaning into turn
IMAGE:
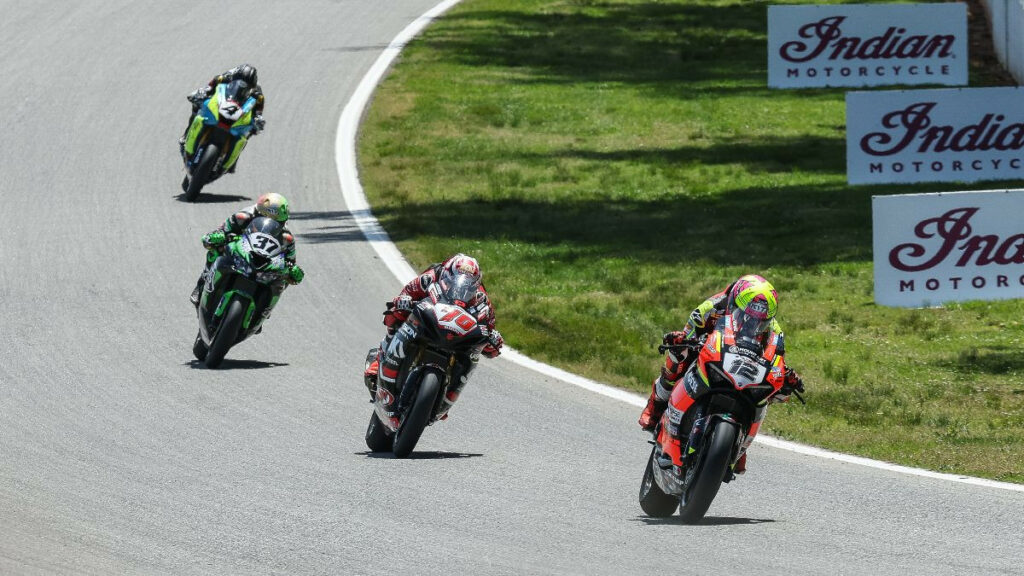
(244, 72)
(418, 289)
(271, 205)
(753, 302)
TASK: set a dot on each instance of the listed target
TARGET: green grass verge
(614, 162)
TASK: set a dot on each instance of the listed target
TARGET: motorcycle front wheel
(201, 173)
(418, 417)
(711, 466)
(226, 334)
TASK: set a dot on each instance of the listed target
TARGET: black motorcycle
(238, 295)
(439, 329)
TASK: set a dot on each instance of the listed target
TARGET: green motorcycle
(241, 289)
(217, 136)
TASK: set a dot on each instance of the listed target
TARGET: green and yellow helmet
(273, 205)
(754, 303)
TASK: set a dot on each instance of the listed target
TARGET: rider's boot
(741, 465)
(194, 299)
(655, 405)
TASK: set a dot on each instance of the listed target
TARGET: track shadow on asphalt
(228, 364)
(331, 226)
(707, 521)
(420, 455)
(213, 198)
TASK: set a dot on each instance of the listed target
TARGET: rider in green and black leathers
(271, 205)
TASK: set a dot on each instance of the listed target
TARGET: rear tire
(377, 437)
(696, 499)
(199, 348)
(653, 501)
(226, 334)
(201, 173)
(418, 417)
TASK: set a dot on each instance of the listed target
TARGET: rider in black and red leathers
(381, 365)
(752, 301)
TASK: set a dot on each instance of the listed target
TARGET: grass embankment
(613, 163)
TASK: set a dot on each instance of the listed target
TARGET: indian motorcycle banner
(935, 248)
(867, 45)
(945, 135)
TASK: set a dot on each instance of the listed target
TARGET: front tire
(418, 417)
(697, 497)
(377, 437)
(652, 499)
(226, 334)
(201, 173)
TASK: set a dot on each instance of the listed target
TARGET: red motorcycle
(712, 416)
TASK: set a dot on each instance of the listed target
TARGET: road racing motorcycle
(439, 329)
(217, 135)
(709, 421)
(237, 294)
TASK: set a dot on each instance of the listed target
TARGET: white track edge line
(355, 199)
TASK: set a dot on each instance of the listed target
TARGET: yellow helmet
(273, 205)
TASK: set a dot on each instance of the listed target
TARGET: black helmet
(247, 73)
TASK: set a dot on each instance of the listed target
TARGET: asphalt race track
(119, 455)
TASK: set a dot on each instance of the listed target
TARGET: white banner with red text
(867, 45)
(948, 247)
(944, 135)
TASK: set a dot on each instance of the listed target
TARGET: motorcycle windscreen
(459, 289)
(238, 91)
(262, 238)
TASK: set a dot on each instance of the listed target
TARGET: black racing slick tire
(653, 500)
(418, 417)
(199, 348)
(201, 173)
(226, 334)
(377, 437)
(696, 499)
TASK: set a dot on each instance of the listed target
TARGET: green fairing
(249, 313)
(235, 152)
(193, 134)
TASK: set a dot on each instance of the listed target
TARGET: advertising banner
(867, 45)
(945, 135)
(949, 247)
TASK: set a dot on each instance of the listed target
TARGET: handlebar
(692, 345)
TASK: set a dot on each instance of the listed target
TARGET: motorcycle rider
(398, 311)
(271, 205)
(243, 72)
(752, 301)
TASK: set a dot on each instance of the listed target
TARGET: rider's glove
(494, 344)
(215, 238)
(199, 94)
(674, 338)
(794, 383)
(295, 274)
(257, 124)
(403, 303)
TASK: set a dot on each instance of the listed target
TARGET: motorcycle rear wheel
(711, 467)
(653, 501)
(418, 417)
(377, 437)
(226, 334)
(201, 173)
